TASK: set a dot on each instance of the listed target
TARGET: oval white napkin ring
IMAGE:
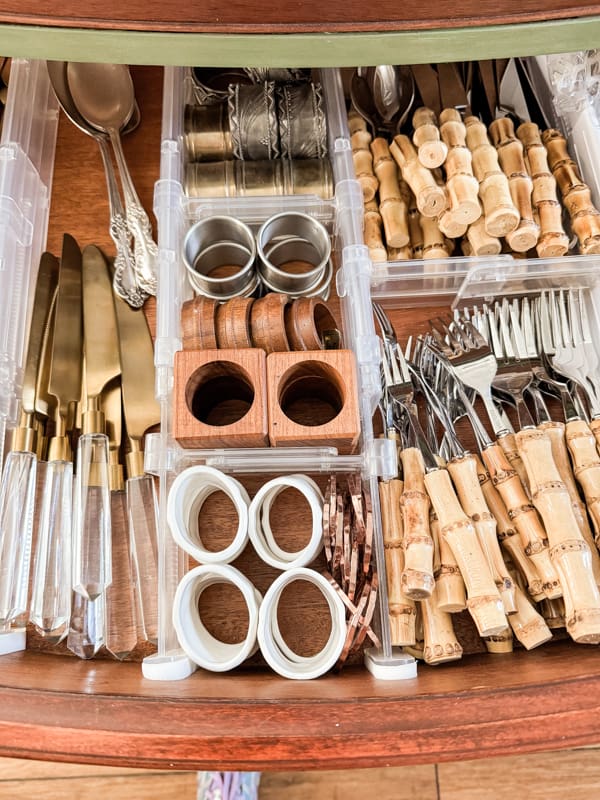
(259, 528)
(283, 660)
(196, 641)
(189, 491)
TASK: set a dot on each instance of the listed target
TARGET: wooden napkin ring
(308, 322)
(233, 323)
(220, 398)
(313, 399)
(198, 326)
(267, 323)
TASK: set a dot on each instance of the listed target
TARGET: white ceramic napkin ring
(282, 659)
(188, 493)
(196, 641)
(259, 527)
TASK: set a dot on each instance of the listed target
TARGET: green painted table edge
(298, 50)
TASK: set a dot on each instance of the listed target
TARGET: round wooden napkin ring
(267, 323)
(306, 320)
(198, 331)
(233, 323)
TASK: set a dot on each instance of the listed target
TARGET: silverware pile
(513, 541)
(79, 551)
(105, 115)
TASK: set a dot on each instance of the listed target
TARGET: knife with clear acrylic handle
(17, 491)
(92, 517)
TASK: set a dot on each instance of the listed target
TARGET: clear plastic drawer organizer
(26, 159)
(401, 284)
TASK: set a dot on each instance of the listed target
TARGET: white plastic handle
(189, 491)
(281, 658)
(196, 641)
(259, 526)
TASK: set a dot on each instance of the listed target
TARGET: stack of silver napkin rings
(189, 491)
(225, 242)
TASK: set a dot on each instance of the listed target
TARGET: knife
(121, 632)
(17, 490)
(141, 413)
(57, 388)
(91, 522)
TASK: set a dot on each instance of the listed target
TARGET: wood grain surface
(270, 16)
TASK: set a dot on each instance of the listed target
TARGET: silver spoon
(125, 279)
(105, 97)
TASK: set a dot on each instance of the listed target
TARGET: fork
(578, 434)
(463, 469)
(432, 482)
(476, 367)
(569, 551)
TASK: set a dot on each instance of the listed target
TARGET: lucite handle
(51, 595)
(91, 522)
(142, 514)
(86, 628)
(121, 631)
(17, 498)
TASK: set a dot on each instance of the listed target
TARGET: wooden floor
(552, 776)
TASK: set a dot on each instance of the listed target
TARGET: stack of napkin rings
(227, 245)
(188, 493)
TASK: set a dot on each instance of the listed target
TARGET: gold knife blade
(47, 281)
(137, 374)
(100, 337)
(65, 370)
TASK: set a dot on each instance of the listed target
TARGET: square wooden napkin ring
(220, 398)
(313, 399)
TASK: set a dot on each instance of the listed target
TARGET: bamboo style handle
(440, 642)
(392, 205)
(480, 241)
(595, 428)
(463, 186)
(360, 139)
(508, 443)
(526, 568)
(569, 551)
(432, 151)
(402, 610)
(417, 576)
(556, 431)
(430, 197)
(500, 215)
(512, 161)
(449, 583)
(463, 472)
(372, 232)
(585, 217)
(484, 602)
(529, 627)
(524, 517)
(553, 241)
(586, 465)
(435, 245)
(500, 643)
(448, 223)
(494, 502)
(414, 226)
(400, 253)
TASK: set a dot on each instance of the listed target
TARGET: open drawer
(57, 707)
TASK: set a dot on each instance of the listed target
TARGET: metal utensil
(384, 109)
(141, 412)
(125, 279)
(104, 96)
(91, 527)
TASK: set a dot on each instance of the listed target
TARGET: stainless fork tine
(517, 336)
(585, 322)
(574, 320)
(505, 334)
(528, 329)
(494, 339)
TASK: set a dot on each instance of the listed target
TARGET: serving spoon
(125, 278)
(105, 98)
